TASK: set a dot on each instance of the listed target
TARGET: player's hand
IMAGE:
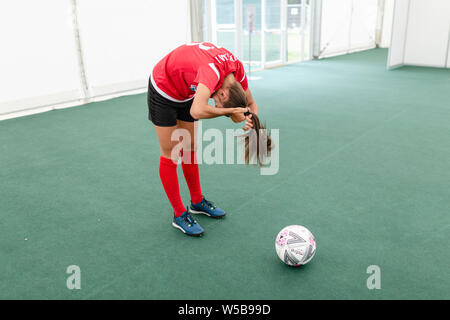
(248, 123)
(238, 115)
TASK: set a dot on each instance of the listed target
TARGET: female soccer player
(179, 88)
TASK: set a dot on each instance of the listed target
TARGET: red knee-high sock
(169, 179)
(190, 171)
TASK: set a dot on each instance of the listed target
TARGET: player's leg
(168, 168)
(189, 162)
(164, 118)
(199, 204)
(169, 178)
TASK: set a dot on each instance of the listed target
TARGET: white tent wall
(420, 34)
(347, 26)
(448, 51)
(38, 64)
(386, 29)
(398, 36)
(335, 27)
(121, 40)
(428, 32)
(363, 24)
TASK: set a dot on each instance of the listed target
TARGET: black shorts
(165, 113)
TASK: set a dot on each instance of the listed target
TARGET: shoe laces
(209, 204)
(189, 220)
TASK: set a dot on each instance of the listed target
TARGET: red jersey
(178, 74)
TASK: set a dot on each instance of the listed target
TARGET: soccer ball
(295, 245)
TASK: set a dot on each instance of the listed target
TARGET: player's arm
(253, 108)
(200, 108)
(251, 102)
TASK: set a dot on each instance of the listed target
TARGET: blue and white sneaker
(208, 208)
(188, 225)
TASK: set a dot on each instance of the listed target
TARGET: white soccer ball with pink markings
(295, 245)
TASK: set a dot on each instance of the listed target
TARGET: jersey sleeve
(241, 76)
(208, 75)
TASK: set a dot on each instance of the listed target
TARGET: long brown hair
(258, 143)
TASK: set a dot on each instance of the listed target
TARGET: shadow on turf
(284, 266)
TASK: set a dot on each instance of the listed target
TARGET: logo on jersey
(193, 87)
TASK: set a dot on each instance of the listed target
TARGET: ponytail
(258, 143)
